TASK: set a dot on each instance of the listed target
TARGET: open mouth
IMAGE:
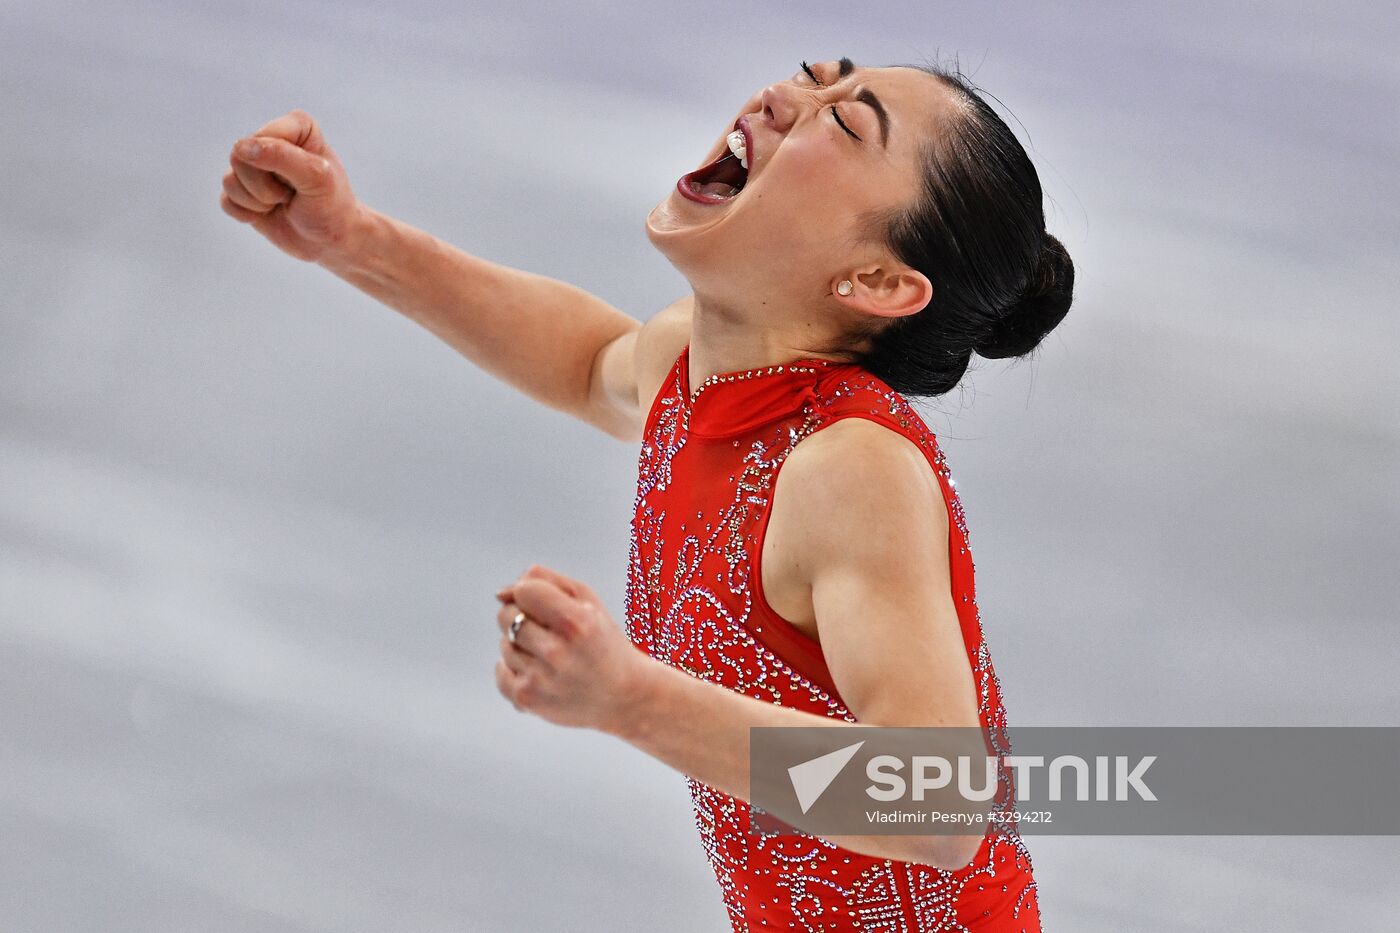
(722, 179)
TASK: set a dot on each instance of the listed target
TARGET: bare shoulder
(853, 451)
(867, 542)
(858, 482)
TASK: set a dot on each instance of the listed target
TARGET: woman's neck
(723, 341)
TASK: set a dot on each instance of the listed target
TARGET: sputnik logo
(811, 778)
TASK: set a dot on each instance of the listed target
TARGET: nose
(779, 105)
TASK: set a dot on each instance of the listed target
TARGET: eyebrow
(867, 96)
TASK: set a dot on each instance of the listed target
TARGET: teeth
(736, 146)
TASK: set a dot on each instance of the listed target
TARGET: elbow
(964, 850)
(951, 853)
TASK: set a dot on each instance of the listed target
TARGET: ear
(886, 291)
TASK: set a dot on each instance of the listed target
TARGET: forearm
(702, 729)
(537, 334)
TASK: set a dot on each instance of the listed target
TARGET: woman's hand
(570, 663)
(293, 189)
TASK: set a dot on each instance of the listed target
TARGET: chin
(667, 225)
(667, 234)
(685, 247)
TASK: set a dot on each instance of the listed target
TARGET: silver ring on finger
(515, 624)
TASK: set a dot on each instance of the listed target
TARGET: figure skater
(799, 554)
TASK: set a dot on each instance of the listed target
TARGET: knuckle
(565, 627)
(579, 618)
(247, 203)
(232, 209)
(237, 192)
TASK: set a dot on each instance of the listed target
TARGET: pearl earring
(845, 288)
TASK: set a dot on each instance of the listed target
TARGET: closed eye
(848, 130)
(834, 112)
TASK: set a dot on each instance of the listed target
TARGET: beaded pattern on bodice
(706, 472)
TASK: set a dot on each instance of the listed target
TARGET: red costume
(694, 600)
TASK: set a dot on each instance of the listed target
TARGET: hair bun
(1043, 305)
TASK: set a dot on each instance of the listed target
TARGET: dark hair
(1001, 282)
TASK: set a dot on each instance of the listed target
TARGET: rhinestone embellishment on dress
(752, 373)
(690, 602)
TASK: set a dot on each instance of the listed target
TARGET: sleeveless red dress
(694, 600)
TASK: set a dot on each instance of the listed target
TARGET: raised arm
(555, 342)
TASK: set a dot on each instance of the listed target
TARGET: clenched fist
(287, 183)
(567, 662)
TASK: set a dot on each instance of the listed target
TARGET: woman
(851, 239)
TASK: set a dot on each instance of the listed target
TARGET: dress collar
(731, 403)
